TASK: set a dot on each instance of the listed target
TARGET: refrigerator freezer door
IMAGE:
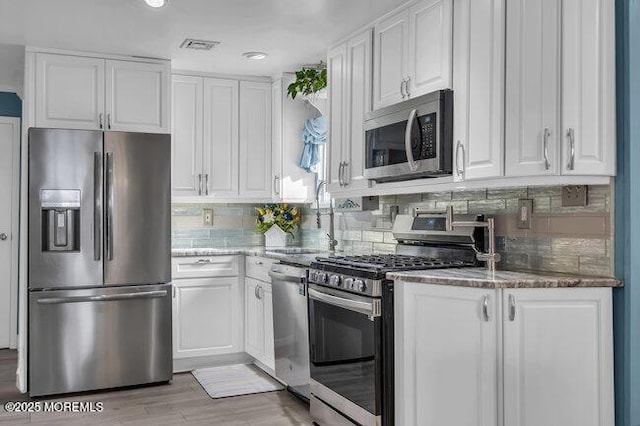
(65, 196)
(88, 339)
(137, 208)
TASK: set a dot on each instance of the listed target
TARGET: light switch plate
(574, 196)
(207, 217)
(525, 209)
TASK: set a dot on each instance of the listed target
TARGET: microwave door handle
(407, 140)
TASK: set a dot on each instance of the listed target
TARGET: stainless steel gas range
(351, 318)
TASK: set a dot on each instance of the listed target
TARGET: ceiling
(291, 32)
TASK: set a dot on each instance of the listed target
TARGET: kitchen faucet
(490, 257)
(332, 241)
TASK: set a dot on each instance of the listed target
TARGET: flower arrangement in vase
(275, 221)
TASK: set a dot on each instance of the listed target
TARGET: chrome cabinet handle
(100, 119)
(512, 308)
(406, 87)
(97, 204)
(545, 138)
(206, 184)
(260, 292)
(572, 148)
(199, 183)
(202, 262)
(110, 200)
(276, 184)
(407, 140)
(109, 121)
(4, 236)
(402, 86)
(459, 170)
(485, 308)
(340, 173)
(259, 262)
(346, 175)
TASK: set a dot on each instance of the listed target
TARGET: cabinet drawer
(204, 266)
(258, 267)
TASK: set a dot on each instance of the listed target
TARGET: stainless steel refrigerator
(99, 260)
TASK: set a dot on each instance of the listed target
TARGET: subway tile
(507, 193)
(595, 266)
(565, 264)
(579, 226)
(459, 207)
(227, 222)
(191, 233)
(388, 238)
(544, 191)
(541, 204)
(384, 248)
(532, 245)
(409, 198)
(476, 194)
(373, 236)
(578, 247)
(180, 243)
(487, 206)
(437, 196)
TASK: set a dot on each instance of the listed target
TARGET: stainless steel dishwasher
(291, 327)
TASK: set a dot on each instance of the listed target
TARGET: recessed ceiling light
(156, 3)
(255, 55)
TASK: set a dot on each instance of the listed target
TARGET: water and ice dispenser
(60, 220)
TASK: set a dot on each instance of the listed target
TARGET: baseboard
(187, 364)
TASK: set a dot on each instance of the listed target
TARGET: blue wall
(627, 299)
(10, 105)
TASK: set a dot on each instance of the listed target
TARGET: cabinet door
(255, 140)
(277, 138)
(430, 46)
(138, 97)
(254, 319)
(479, 89)
(207, 317)
(69, 92)
(588, 87)
(390, 59)
(358, 103)
(220, 152)
(445, 355)
(532, 89)
(269, 358)
(186, 135)
(336, 82)
(558, 360)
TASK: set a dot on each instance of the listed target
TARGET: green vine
(308, 81)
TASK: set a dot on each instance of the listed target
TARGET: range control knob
(360, 286)
(348, 284)
(334, 280)
(320, 277)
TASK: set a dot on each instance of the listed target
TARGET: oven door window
(345, 353)
(385, 146)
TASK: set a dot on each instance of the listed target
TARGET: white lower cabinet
(445, 355)
(259, 321)
(208, 318)
(517, 357)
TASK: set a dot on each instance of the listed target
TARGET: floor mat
(235, 380)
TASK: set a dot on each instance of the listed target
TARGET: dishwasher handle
(284, 277)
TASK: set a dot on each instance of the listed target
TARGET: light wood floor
(181, 402)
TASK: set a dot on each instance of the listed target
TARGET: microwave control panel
(427, 146)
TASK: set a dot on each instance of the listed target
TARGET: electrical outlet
(574, 196)
(525, 209)
(207, 217)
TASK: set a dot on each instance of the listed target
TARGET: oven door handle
(371, 309)
(407, 140)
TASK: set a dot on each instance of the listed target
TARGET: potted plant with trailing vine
(309, 81)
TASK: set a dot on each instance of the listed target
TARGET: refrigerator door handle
(97, 204)
(103, 297)
(109, 197)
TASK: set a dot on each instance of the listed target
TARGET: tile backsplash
(575, 240)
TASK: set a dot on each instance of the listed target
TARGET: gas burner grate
(390, 262)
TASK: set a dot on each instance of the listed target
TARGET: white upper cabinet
(445, 355)
(255, 139)
(137, 97)
(390, 62)
(532, 88)
(349, 69)
(220, 148)
(558, 357)
(560, 101)
(186, 139)
(76, 92)
(588, 87)
(478, 87)
(336, 83)
(413, 52)
(430, 47)
(69, 92)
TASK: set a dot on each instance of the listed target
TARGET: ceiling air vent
(191, 43)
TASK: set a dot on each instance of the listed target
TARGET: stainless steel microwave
(410, 140)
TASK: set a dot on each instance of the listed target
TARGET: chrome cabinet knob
(3, 236)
